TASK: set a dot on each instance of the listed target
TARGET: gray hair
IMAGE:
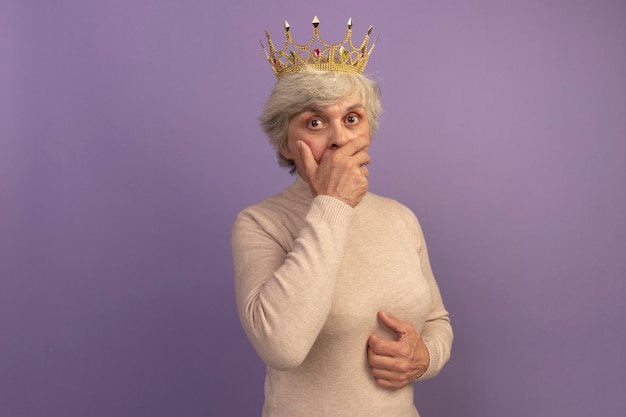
(296, 93)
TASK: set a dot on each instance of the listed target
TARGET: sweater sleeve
(284, 298)
(437, 331)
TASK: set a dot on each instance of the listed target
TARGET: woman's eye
(352, 119)
(315, 123)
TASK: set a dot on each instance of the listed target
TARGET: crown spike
(373, 45)
(264, 51)
(294, 57)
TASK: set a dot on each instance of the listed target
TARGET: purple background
(129, 141)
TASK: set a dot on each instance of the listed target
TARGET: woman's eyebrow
(318, 110)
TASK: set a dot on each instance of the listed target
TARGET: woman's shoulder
(279, 214)
(390, 205)
(276, 205)
(264, 211)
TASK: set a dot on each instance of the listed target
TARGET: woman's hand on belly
(397, 363)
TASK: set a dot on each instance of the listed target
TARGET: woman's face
(327, 127)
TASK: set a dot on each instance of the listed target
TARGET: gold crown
(343, 56)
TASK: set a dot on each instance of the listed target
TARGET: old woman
(333, 283)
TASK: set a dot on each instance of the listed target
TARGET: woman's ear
(284, 151)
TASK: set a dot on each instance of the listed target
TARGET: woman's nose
(339, 137)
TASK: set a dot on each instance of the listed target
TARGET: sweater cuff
(331, 210)
(434, 366)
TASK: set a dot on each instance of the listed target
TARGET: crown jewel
(317, 54)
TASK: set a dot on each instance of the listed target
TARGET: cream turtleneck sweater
(310, 276)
